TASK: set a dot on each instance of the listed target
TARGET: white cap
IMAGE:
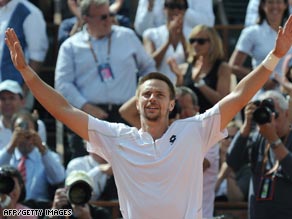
(78, 176)
(11, 86)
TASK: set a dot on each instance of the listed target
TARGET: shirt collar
(32, 155)
(267, 26)
(86, 35)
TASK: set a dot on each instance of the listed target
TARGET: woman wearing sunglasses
(256, 40)
(205, 73)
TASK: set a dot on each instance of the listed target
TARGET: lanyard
(94, 54)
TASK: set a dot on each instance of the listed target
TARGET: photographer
(40, 167)
(268, 146)
(12, 191)
(76, 196)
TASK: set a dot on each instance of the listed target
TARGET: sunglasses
(200, 41)
(173, 6)
(103, 17)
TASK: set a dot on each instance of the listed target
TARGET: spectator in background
(232, 185)
(11, 102)
(256, 41)
(120, 13)
(150, 14)
(29, 24)
(97, 68)
(270, 156)
(205, 73)
(100, 171)
(16, 196)
(286, 81)
(168, 41)
(41, 167)
(70, 26)
(79, 184)
(252, 12)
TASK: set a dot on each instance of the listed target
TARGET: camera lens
(79, 193)
(6, 184)
(263, 113)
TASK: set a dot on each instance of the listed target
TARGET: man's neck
(155, 129)
(96, 34)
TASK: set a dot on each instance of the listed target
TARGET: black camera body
(79, 193)
(6, 184)
(264, 111)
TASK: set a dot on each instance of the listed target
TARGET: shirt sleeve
(36, 36)
(210, 128)
(286, 164)
(199, 13)
(103, 136)
(5, 157)
(235, 158)
(245, 41)
(144, 62)
(55, 171)
(65, 76)
(144, 19)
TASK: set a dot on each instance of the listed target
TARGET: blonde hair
(216, 46)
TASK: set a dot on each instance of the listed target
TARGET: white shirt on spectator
(198, 12)
(257, 41)
(159, 36)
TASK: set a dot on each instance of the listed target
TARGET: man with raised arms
(158, 169)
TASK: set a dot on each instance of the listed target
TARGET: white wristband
(270, 61)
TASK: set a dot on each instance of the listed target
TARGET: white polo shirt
(161, 178)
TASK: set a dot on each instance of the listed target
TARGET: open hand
(16, 51)
(284, 39)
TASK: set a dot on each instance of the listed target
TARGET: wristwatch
(276, 143)
(200, 83)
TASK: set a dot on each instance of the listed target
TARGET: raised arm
(249, 85)
(51, 100)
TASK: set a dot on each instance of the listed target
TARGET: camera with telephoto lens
(79, 193)
(6, 183)
(79, 187)
(264, 110)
